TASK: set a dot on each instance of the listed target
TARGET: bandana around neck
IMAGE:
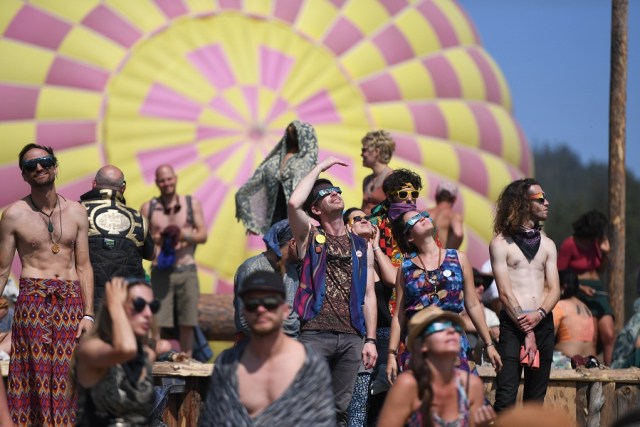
(528, 240)
(398, 209)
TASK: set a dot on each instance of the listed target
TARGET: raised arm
(457, 231)
(397, 321)
(388, 272)
(369, 351)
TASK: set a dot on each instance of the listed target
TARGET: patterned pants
(47, 315)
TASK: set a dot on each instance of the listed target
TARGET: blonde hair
(382, 140)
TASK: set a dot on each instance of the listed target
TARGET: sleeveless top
(579, 260)
(415, 420)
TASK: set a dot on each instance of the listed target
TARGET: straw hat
(425, 317)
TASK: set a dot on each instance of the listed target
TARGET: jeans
(535, 380)
(343, 353)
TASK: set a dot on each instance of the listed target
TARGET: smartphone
(524, 358)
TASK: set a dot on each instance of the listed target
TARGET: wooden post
(617, 173)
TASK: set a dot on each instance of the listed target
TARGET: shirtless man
(270, 379)
(448, 222)
(524, 265)
(176, 226)
(55, 304)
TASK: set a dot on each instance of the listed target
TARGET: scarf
(396, 210)
(528, 240)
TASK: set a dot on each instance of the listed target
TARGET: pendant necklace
(432, 276)
(55, 246)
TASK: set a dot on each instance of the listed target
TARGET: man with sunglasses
(336, 298)
(55, 305)
(269, 379)
(176, 224)
(448, 222)
(524, 265)
(119, 237)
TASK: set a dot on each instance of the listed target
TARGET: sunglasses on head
(538, 197)
(414, 220)
(139, 304)
(325, 192)
(404, 194)
(358, 218)
(46, 162)
(436, 327)
(270, 303)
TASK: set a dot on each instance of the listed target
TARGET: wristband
(90, 317)
(394, 352)
(542, 312)
(489, 344)
(370, 341)
(377, 248)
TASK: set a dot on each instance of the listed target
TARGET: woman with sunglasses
(431, 275)
(434, 392)
(113, 362)
(377, 149)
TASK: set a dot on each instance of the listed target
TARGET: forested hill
(574, 188)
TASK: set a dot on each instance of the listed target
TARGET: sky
(555, 56)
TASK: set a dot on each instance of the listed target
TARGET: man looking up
(269, 379)
(336, 298)
(449, 223)
(119, 237)
(55, 304)
(523, 261)
(177, 226)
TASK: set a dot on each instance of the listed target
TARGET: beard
(51, 178)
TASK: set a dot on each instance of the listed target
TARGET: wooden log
(215, 316)
(627, 399)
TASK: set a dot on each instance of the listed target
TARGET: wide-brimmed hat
(425, 317)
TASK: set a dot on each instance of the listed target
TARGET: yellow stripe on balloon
(73, 11)
(511, 152)
(8, 11)
(470, 78)
(422, 42)
(15, 134)
(391, 116)
(363, 60)
(145, 134)
(502, 82)
(92, 48)
(315, 18)
(79, 162)
(458, 21)
(29, 64)
(367, 16)
(440, 156)
(413, 80)
(478, 212)
(497, 174)
(61, 103)
(196, 6)
(144, 14)
(223, 243)
(257, 7)
(461, 122)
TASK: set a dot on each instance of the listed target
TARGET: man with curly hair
(524, 265)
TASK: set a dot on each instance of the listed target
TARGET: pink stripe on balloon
(477, 248)
(164, 102)
(33, 26)
(514, 172)
(251, 97)
(255, 243)
(429, 120)
(179, 157)
(74, 190)
(490, 80)
(474, 173)
(65, 72)
(230, 4)
(490, 136)
(287, 10)
(172, 8)
(318, 109)
(342, 36)
(338, 3)
(525, 153)
(444, 77)
(245, 171)
(278, 107)
(393, 6)
(222, 106)
(274, 67)
(380, 88)
(440, 23)
(106, 22)
(214, 161)
(211, 196)
(470, 24)
(18, 103)
(344, 173)
(206, 132)
(214, 66)
(393, 45)
(10, 173)
(65, 135)
(224, 287)
(408, 148)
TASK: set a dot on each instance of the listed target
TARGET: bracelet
(90, 317)
(489, 344)
(542, 312)
(377, 248)
(394, 352)
(370, 341)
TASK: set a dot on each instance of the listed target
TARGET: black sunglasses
(404, 194)
(45, 162)
(358, 218)
(270, 303)
(139, 304)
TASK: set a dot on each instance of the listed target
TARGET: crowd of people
(357, 316)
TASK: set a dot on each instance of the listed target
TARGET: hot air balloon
(210, 86)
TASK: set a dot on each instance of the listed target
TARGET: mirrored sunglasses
(270, 303)
(539, 198)
(414, 220)
(358, 218)
(325, 192)
(46, 162)
(436, 327)
(404, 194)
(139, 304)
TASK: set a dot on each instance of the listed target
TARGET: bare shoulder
(15, 210)
(75, 208)
(406, 381)
(498, 241)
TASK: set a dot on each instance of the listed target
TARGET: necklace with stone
(432, 276)
(55, 246)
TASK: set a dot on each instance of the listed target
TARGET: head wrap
(396, 210)
(277, 236)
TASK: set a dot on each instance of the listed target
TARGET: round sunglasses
(140, 303)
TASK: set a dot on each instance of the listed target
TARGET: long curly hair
(397, 180)
(422, 374)
(592, 225)
(512, 207)
(383, 141)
